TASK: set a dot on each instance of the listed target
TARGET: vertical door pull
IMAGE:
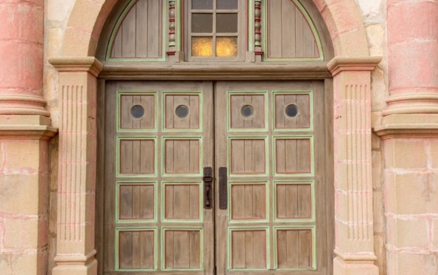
(223, 188)
(208, 181)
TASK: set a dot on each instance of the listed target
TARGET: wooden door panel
(294, 200)
(129, 103)
(248, 249)
(247, 110)
(293, 111)
(182, 111)
(247, 156)
(294, 248)
(293, 155)
(182, 156)
(248, 201)
(272, 143)
(136, 201)
(136, 156)
(156, 145)
(182, 249)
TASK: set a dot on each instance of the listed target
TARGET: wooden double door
(215, 178)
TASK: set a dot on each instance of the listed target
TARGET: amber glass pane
(227, 4)
(202, 46)
(226, 22)
(202, 4)
(202, 23)
(226, 46)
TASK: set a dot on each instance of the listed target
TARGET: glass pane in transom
(202, 46)
(202, 23)
(202, 4)
(226, 4)
(226, 22)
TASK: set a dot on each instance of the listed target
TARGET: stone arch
(342, 18)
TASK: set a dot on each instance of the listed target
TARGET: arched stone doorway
(78, 85)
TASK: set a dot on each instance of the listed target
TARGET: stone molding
(408, 126)
(18, 104)
(26, 127)
(351, 64)
(412, 103)
(77, 64)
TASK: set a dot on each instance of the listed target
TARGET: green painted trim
(179, 93)
(118, 139)
(201, 200)
(312, 155)
(312, 27)
(116, 250)
(293, 92)
(303, 182)
(119, 22)
(257, 182)
(313, 229)
(182, 228)
(119, 184)
(163, 156)
(250, 28)
(247, 92)
(248, 228)
(267, 156)
(118, 110)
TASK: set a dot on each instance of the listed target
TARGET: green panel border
(163, 156)
(302, 182)
(139, 93)
(312, 155)
(118, 174)
(182, 92)
(255, 182)
(164, 31)
(311, 25)
(313, 229)
(245, 93)
(293, 92)
(134, 229)
(249, 228)
(201, 201)
(267, 156)
(182, 228)
(120, 183)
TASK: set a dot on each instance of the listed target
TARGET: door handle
(208, 190)
(223, 188)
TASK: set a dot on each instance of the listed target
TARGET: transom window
(213, 29)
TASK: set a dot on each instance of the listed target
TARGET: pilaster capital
(77, 64)
(342, 63)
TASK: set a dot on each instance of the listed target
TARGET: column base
(342, 267)
(74, 269)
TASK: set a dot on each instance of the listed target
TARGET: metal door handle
(208, 181)
(223, 188)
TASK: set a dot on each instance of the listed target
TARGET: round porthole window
(137, 111)
(182, 111)
(247, 111)
(291, 110)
